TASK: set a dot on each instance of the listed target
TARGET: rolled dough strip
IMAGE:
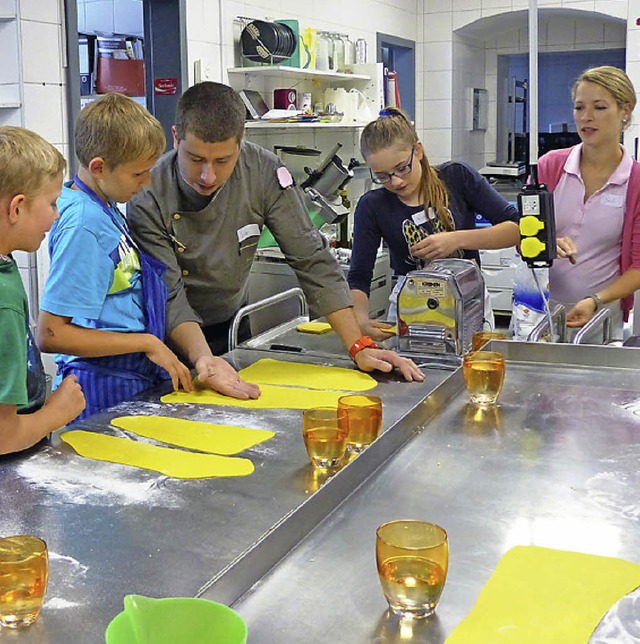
(312, 376)
(205, 437)
(314, 327)
(272, 397)
(172, 462)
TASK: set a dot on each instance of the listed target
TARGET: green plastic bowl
(175, 620)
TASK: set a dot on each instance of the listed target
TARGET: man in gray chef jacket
(202, 216)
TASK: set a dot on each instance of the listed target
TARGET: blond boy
(31, 172)
(103, 308)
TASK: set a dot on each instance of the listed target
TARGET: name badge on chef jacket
(419, 217)
(247, 233)
(614, 201)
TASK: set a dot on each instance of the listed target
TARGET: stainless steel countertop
(114, 530)
(557, 465)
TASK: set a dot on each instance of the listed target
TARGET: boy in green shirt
(30, 182)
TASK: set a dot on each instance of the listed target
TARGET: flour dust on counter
(83, 482)
(610, 489)
(620, 624)
(57, 603)
(271, 397)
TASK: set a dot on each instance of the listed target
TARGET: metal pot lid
(267, 41)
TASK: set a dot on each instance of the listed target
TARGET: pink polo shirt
(595, 226)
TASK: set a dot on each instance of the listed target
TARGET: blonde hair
(119, 130)
(614, 80)
(27, 161)
(393, 127)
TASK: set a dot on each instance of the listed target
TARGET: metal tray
(114, 530)
(555, 464)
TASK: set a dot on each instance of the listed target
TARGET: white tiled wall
(359, 18)
(41, 91)
(633, 69)
(211, 32)
(483, 29)
(468, 69)
(457, 43)
(216, 46)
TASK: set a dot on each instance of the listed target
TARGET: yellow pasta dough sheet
(205, 437)
(171, 462)
(312, 376)
(314, 327)
(272, 397)
(539, 595)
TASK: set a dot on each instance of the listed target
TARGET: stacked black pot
(267, 42)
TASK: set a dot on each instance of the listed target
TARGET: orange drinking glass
(483, 375)
(24, 570)
(362, 420)
(480, 338)
(325, 436)
(412, 559)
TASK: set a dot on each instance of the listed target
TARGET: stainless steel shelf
(296, 72)
(270, 125)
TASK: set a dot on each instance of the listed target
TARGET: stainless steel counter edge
(246, 570)
(586, 356)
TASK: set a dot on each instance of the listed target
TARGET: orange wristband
(365, 342)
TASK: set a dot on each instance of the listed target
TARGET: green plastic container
(267, 240)
(175, 620)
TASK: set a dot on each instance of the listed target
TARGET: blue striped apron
(110, 380)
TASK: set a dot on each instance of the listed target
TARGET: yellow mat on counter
(301, 374)
(314, 327)
(272, 397)
(539, 595)
(205, 437)
(171, 462)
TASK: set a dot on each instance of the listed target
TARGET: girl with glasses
(422, 212)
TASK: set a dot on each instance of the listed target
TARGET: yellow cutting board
(205, 437)
(171, 462)
(544, 596)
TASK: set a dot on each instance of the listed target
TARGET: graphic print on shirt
(413, 234)
(127, 264)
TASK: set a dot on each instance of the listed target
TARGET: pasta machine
(439, 309)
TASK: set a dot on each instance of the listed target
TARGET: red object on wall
(165, 86)
(124, 76)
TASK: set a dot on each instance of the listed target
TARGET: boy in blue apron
(103, 308)
(30, 183)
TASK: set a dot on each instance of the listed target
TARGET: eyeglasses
(402, 171)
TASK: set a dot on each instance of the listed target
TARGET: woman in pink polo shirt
(596, 189)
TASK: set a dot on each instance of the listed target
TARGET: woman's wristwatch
(365, 342)
(598, 300)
